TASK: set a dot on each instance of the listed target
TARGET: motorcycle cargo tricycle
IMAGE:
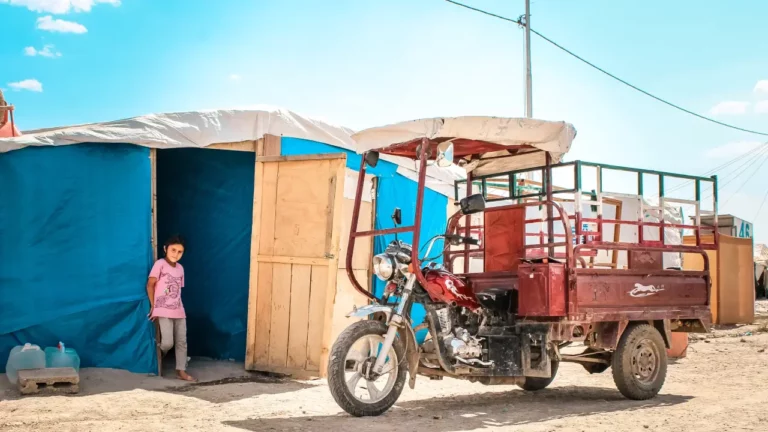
(519, 278)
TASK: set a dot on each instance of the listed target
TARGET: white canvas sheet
(553, 137)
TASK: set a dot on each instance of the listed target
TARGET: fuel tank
(443, 286)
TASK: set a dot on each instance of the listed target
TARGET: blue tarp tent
(75, 249)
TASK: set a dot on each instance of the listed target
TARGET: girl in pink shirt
(164, 289)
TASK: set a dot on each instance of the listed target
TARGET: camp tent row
(264, 199)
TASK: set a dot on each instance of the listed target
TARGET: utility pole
(528, 75)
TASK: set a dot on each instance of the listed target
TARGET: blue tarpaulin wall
(75, 226)
(207, 197)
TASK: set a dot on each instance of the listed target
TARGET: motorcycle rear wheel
(353, 352)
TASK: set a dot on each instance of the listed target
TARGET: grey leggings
(174, 330)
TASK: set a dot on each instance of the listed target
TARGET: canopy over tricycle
(517, 278)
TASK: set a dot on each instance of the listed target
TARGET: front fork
(395, 322)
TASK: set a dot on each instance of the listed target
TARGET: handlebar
(455, 240)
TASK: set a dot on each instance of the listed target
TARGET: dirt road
(721, 385)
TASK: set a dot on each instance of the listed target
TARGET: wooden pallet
(53, 380)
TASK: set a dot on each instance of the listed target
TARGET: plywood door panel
(299, 316)
(280, 314)
(317, 297)
(737, 293)
(268, 210)
(263, 314)
(294, 260)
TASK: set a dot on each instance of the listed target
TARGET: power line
(678, 107)
(765, 158)
(728, 163)
(741, 169)
(761, 206)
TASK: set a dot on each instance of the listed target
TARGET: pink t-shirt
(170, 281)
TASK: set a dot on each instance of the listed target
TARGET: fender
(405, 333)
(362, 312)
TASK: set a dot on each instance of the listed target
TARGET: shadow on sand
(470, 412)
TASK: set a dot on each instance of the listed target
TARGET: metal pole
(528, 75)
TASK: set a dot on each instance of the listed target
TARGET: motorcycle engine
(458, 342)
(461, 344)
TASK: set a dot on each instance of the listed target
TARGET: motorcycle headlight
(383, 267)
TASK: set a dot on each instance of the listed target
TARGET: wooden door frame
(332, 260)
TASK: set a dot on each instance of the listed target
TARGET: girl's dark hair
(175, 239)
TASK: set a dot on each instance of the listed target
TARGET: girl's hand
(149, 315)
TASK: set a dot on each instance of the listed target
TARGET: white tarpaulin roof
(206, 128)
(189, 129)
(549, 136)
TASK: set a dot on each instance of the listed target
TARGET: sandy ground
(721, 385)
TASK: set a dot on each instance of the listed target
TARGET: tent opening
(206, 196)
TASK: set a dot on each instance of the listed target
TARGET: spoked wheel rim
(646, 362)
(365, 386)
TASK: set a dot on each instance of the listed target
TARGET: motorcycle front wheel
(355, 390)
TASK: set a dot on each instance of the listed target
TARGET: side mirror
(372, 158)
(397, 216)
(445, 154)
(472, 204)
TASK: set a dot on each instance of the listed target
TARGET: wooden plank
(293, 260)
(333, 231)
(268, 213)
(280, 315)
(258, 147)
(245, 146)
(153, 243)
(303, 182)
(253, 280)
(302, 203)
(317, 296)
(300, 231)
(153, 188)
(262, 317)
(272, 145)
(298, 158)
(299, 319)
(336, 214)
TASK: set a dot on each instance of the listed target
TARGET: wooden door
(297, 214)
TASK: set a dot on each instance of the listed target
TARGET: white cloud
(761, 107)
(732, 149)
(235, 77)
(47, 23)
(59, 6)
(27, 84)
(730, 108)
(47, 51)
(761, 86)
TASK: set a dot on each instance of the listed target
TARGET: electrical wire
(761, 207)
(659, 99)
(743, 168)
(765, 158)
(714, 170)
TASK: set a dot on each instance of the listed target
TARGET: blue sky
(365, 63)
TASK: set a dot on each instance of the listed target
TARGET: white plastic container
(24, 357)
